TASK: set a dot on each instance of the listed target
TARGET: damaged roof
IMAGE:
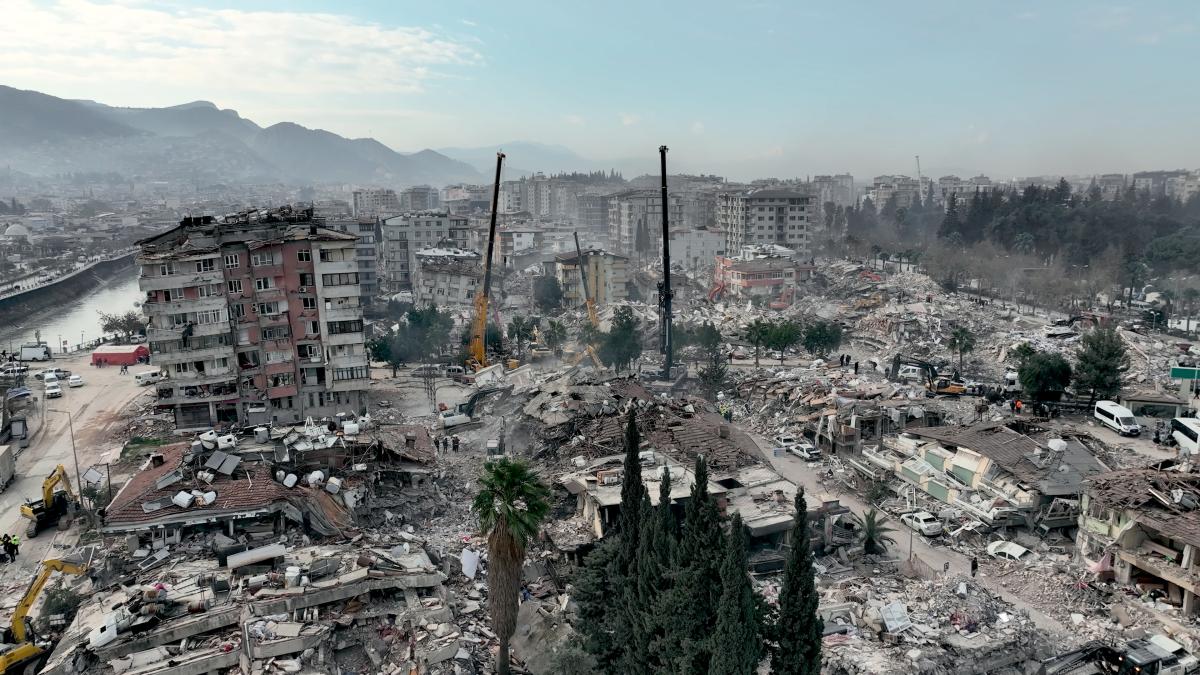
(1163, 499)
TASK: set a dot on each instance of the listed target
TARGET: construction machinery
(54, 504)
(905, 367)
(593, 317)
(1155, 655)
(23, 651)
(477, 348)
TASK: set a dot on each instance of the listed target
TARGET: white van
(1117, 417)
(147, 377)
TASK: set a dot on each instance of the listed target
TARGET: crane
(47, 511)
(22, 646)
(477, 349)
(591, 302)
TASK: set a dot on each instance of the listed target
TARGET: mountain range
(200, 143)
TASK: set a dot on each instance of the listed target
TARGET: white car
(53, 390)
(1007, 550)
(75, 381)
(14, 368)
(924, 522)
(805, 451)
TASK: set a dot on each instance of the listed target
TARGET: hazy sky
(741, 88)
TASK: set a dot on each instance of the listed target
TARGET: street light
(74, 452)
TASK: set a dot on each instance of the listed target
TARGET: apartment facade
(254, 319)
(447, 277)
(402, 236)
(365, 252)
(418, 198)
(629, 211)
(767, 216)
(375, 203)
(607, 276)
(696, 248)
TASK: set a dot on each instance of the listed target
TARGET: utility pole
(664, 288)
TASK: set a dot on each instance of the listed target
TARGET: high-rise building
(838, 189)
(632, 211)
(767, 216)
(418, 198)
(403, 235)
(254, 318)
(365, 252)
(375, 203)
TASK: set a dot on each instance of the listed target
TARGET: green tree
(555, 336)
(126, 324)
(511, 504)
(962, 341)
(1044, 375)
(520, 332)
(713, 378)
(799, 628)
(634, 506)
(875, 536)
(783, 336)
(655, 550)
(547, 293)
(1022, 352)
(596, 586)
(737, 637)
(1101, 363)
(757, 333)
(622, 345)
(822, 337)
(708, 340)
(1023, 244)
(950, 221)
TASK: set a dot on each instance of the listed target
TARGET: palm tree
(961, 341)
(556, 335)
(873, 533)
(511, 504)
(520, 331)
(758, 333)
(1023, 243)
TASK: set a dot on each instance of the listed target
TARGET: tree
(511, 504)
(873, 533)
(1022, 352)
(757, 333)
(798, 627)
(595, 588)
(127, 323)
(634, 504)
(962, 341)
(656, 548)
(713, 378)
(622, 345)
(1043, 375)
(737, 637)
(1023, 244)
(555, 336)
(547, 293)
(1102, 362)
(520, 331)
(783, 336)
(822, 337)
(950, 221)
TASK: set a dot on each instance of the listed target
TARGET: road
(805, 474)
(96, 411)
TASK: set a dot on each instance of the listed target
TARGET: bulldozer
(23, 651)
(54, 504)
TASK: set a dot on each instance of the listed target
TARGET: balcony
(195, 379)
(185, 305)
(206, 354)
(182, 394)
(160, 282)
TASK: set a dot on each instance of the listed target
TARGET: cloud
(629, 119)
(697, 127)
(574, 120)
(167, 51)
(468, 22)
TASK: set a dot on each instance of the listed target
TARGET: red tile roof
(251, 487)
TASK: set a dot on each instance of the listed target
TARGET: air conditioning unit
(304, 289)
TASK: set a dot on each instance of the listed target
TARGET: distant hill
(41, 134)
(523, 158)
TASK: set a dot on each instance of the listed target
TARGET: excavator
(593, 317)
(54, 504)
(948, 386)
(477, 347)
(22, 651)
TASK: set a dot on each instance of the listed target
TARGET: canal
(74, 321)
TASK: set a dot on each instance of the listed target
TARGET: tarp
(120, 355)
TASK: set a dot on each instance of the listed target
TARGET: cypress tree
(595, 589)
(798, 626)
(653, 565)
(625, 605)
(633, 492)
(737, 638)
(689, 608)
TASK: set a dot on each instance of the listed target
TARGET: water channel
(75, 321)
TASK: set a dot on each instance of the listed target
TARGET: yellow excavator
(477, 347)
(54, 504)
(22, 651)
(593, 317)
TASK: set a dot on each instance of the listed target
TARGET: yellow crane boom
(477, 347)
(23, 649)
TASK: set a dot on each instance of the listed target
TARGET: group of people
(12, 547)
(845, 360)
(446, 443)
(102, 363)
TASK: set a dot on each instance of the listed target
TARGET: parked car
(147, 377)
(1007, 550)
(14, 368)
(806, 451)
(426, 371)
(924, 522)
(75, 381)
(53, 390)
(58, 373)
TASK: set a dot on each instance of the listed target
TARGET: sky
(743, 89)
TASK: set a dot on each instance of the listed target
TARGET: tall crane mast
(665, 295)
(477, 349)
(587, 293)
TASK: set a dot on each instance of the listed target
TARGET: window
(276, 332)
(312, 328)
(264, 283)
(279, 357)
(358, 373)
(209, 290)
(211, 316)
(307, 351)
(206, 265)
(341, 327)
(222, 362)
(283, 380)
(343, 279)
(308, 303)
(178, 320)
(166, 269)
(333, 255)
(234, 285)
(304, 255)
(233, 261)
(260, 259)
(181, 368)
(173, 294)
(307, 279)
(239, 310)
(268, 308)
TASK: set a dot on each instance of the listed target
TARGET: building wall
(374, 203)
(403, 235)
(607, 278)
(767, 217)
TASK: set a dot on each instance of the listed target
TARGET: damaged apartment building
(254, 318)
